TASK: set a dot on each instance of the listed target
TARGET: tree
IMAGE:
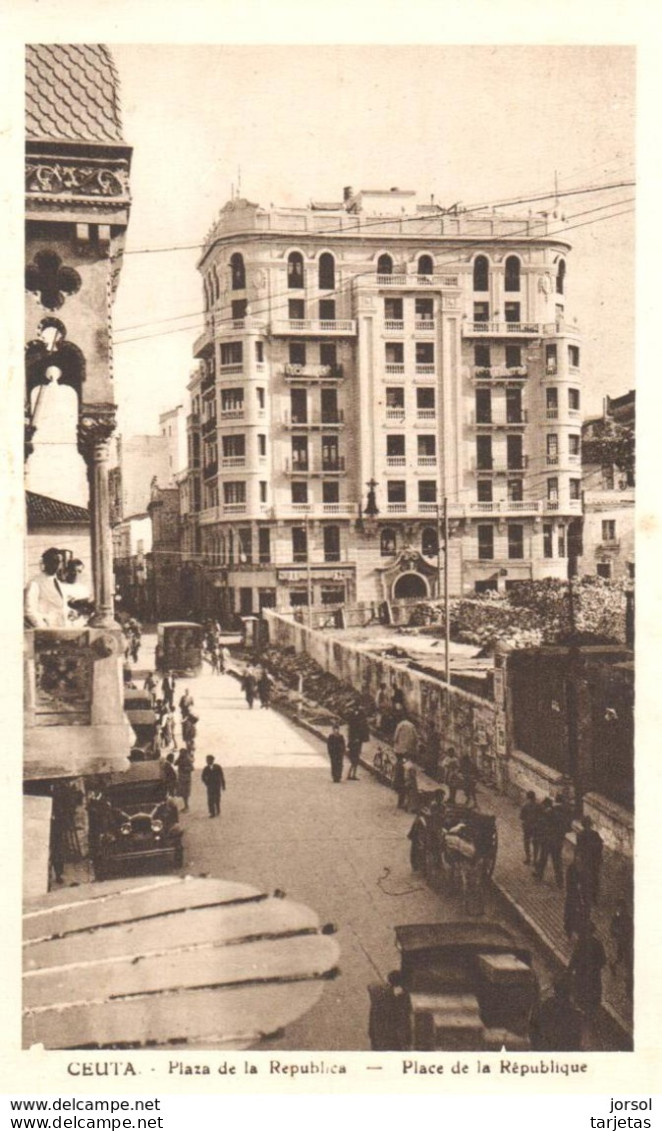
(611, 443)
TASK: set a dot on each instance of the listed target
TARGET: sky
(287, 124)
(291, 124)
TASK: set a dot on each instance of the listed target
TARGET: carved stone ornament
(51, 281)
(96, 425)
(105, 645)
(77, 180)
(259, 280)
(545, 284)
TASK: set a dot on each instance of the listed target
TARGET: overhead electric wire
(478, 241)
(408, 219)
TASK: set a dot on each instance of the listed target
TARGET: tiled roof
(43, 511)
(72, 93)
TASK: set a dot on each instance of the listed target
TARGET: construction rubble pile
(323, 693)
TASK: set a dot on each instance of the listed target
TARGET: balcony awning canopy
(169, 961)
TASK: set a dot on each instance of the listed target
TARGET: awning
(169, 961)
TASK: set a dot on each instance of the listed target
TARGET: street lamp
(442, 524)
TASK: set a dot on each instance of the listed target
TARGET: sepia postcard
(333, 471)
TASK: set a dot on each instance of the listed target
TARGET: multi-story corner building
(362, 362)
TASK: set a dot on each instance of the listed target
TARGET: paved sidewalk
(539, 904)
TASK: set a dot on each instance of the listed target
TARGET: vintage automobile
(179, 647)
(462, 985)
(140, 713)
(134, 825)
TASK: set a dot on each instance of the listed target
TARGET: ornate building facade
(361, 362)
(76, 212)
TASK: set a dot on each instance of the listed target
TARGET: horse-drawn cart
(454, 845)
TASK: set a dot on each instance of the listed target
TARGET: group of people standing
(340, 748)
(214, 650)
(256, 683)
(178, 771)
(544, 828)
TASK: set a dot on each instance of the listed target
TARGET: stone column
(95, 428)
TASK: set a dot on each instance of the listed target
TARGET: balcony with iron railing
(501, 467)
(426, 414)
(312, 372)
(403, 281)
(234, 413)
(509, 419)
(308, 467)
(231, 369)
(427, 461)
(233, 461)
(471, 329)
(208, 425)
(394, 324)
(395, 413)
(394, 368)
(572, 506)
(425, 369)
(499, 372)
(396, 461)
(210, 469)
(314, 327)
(315, 420)
(424, 325)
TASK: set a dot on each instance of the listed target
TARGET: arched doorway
(410, 585)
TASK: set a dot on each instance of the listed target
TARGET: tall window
(512, 311)
(484, 490)
(232, 353)
(393, 310)
(514, 455)
(573, 357)
(552, 403)
(387, 542)
(327, 272)
(515, 540)
(297, 353)
(385, 265)
(427, 491)
(574, 444)
(482, 356)
(573, 400)
(330, 456)
(481, 312)
(608, 530)
(237, 272)
(395, 449)
(425, 404)
(427, 448)
(295, 279)
(560, 278)
(424, 354)
(513, 357)
(429, 542)
(260, 398)
(512, 273)
(296, 309)
(264, 544)
(259, 352)
(396, 491)
(298, 406)
(261, 444)
(331, 543)
(547, 540)
(481, 273)
(553, 491)
(485, 542)
(330, 491)
(425, 265)
(245, 544)
(238, 308)
(300, 453)
(263, 490)
(329, 406)
(483, 406)
(552, 449)
(395, 398)
(327, 309)
(299, 544)
(484, 453)
(234, 493)
(395, 353)
(234, 447)
(328, 354)
(575, 489)
(300, 493)
(424, 309)
(514, 413)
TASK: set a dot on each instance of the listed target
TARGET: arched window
(425, 265)
(387, 542)
(560, 278)
(295, 270)
(327, 271)
(512, 273)
(238, 272)
(385, 265)
(481, 273)
(429, 542)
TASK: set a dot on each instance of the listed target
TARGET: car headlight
(157, 826)
(126, 829)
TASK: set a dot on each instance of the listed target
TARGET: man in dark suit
(214, 781)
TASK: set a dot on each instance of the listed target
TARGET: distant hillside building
(609, 494)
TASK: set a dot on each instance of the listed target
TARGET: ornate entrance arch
(409, 585)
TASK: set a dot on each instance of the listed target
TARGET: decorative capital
(96, 425)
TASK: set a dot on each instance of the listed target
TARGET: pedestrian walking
(249, 687)
(586, 965)
(588, 857)
(358, 732)
(184, 765)
(212, 655)
(185, 703)
(223, 658)
(169, 775)
(556, 1025)
(264, 686)
(189, 733)
(168, 690)
(383, 705)
(529, 816)
(335, 745)
(450, 774)
(150, 685)
(551, 834)
(214, 782)
(575, 909)
(622, 932)
(168, 730)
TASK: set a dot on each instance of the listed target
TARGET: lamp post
(442, 527)
(309, 579)
(574, 662)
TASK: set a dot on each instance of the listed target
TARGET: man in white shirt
(45, 606)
